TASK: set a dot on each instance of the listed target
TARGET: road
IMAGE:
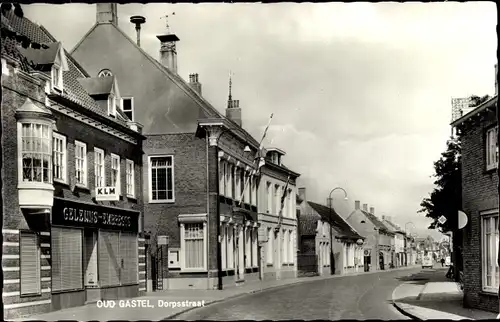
(349, 297)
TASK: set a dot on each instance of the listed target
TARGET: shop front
(94, 252)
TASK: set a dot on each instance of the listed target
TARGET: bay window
(489, 240)
(36, 152)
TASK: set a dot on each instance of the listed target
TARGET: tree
(446, 198)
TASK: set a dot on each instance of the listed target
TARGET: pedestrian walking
(442, 262)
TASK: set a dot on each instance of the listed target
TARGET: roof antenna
(167, 26)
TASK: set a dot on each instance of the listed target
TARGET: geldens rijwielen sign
(70, 213)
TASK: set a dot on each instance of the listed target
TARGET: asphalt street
(349, 297)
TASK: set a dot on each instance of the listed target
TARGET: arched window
(105, 73)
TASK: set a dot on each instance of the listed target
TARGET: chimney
(138, 21)
(383, 217)
(194, 83)
(107, 13)
(302, 193)
(168, 51)
(372, 210)
(388, 218)
(233, 110)
(365, 207)
(357, 204)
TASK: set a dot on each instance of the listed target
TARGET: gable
(163, 102)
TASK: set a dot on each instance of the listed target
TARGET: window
(230, 247)
(285, 246)
(67, 253)
(100, 177)
(290, 207)
(57, 77)
(224, 245)
(254, 248)
(490, 239)
(290, 247)
(194, 252)
(36, 152)
(222, 173)
(105, 73)
(161, 179)
(115, 172)
(276, 199)
(269, 251)
(491, 149)
(229, 180)
(59, 156)
(248, 247)
(30, 263)
(111, 105)
(128, 107)
(269, 195)
(130, 178)
(237, 184)
(81, 163)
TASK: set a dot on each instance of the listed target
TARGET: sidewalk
(155, 312)
(430, 295)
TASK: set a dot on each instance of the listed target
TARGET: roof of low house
(73, 90)
(392, 225)
(377, 222)
(343, 228)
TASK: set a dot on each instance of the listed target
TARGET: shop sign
(71, 213)
(106, 193)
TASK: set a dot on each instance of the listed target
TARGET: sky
(360, 92)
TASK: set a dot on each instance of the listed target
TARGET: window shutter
(30, 263)
(67, 248)
(109, 258)
(129, 258)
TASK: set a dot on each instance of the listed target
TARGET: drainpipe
(208, 213)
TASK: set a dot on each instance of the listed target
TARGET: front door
(381, 260)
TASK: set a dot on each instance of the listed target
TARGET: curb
(173, 316)
(405, 313)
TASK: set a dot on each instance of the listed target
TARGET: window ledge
(489, 292)
(30, 295)
(193, 270)
(61, 182)
(162, 201)
(82, 187)
(131, 197)
(270, 265)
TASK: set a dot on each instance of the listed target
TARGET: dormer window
(111, 105)
(57, 77)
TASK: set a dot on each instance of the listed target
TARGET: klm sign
(106, 193)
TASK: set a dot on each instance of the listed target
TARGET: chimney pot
(168, 51)
(365, 207)
(107, 13)
(372, 210)
(383, 217)
(194, 83)
(302, 193)
(357, 204)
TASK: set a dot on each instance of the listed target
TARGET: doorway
(381, 260)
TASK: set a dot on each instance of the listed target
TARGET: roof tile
(339, 223)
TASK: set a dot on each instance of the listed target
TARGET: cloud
(360, 92)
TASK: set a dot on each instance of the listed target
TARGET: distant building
(478, 133)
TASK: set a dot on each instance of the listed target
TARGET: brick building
(479, 157)
(186, 139)
(378, 248)
(280, 232)
(71, 175)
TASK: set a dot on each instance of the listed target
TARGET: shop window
(59, 157)
(67, 254)
(161, 178)
(109, 258)
(30, 263)
(36, 152)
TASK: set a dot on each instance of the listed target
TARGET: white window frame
(103, 169)
(130, 178)
(269, 197)
(79, 144)
(64, 157)
(118, 174)
(131, 106)
(150, 179)
(491, 146)
(57, 77)
(186, 219)
(489, 215)
(111, 104)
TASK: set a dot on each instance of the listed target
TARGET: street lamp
(219, 241)
(332, 268)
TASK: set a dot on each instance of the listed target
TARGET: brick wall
(479, 193)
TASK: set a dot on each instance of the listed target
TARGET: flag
(265, 132)
(284, 193)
